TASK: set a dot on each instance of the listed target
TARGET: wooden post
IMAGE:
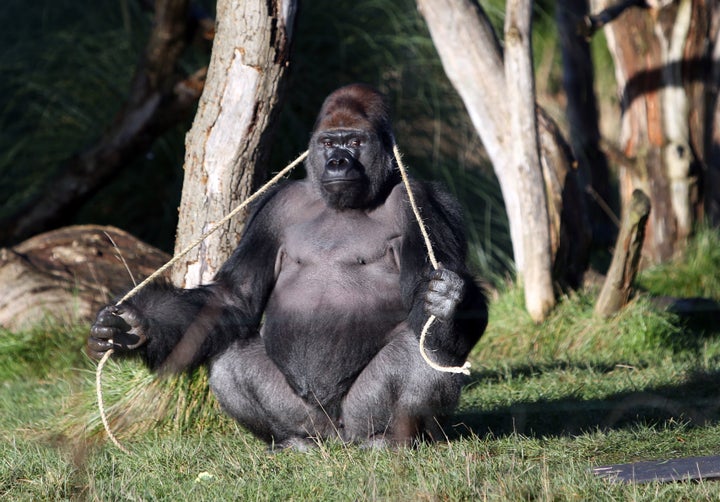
(624, 266)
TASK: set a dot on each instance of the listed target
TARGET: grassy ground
(543, 405)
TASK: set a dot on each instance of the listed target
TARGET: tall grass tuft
(572, 331)
(137, 401)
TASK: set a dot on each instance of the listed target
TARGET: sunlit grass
(544, 404)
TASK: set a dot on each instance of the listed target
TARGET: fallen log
(66, 275)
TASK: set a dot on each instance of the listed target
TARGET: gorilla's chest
(335, 302)
(341, 241)
(339, 254)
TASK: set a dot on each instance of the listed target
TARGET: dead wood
(626, 258)
(68, 274)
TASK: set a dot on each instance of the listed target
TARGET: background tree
(663, 53)
(161, 96)
(474, 63)
(583, 117)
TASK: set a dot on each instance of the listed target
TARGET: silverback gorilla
(335, 267)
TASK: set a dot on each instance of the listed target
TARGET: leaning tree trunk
(620, 279)
(227, 148)
(661, 61)
(473, 61)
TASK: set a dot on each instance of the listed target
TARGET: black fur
(340, 273)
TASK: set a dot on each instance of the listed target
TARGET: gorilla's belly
(321, 354)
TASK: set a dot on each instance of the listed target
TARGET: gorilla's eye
(354, 143)
(327, 143)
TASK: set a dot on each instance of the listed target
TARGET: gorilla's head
(351, 160)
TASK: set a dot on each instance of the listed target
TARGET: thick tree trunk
(159, 99)
(660, 59)
(227, 148)
(474, 63)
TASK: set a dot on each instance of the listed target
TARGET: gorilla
(311, 328)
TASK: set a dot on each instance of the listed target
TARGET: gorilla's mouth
(337, 183)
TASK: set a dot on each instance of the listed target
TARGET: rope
(214, 227)
(101, 406)
(465, 368)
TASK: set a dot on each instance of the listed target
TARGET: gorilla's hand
(445, 291)
(118, 328)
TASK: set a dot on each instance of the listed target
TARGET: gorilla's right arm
(178, 329)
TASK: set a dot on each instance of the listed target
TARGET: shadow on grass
(695, 402)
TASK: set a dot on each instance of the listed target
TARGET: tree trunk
(661, 57)
(524, 148)
(473, 61)
(582, 116)
(159, 99)
(626, 258)
(228, 146)
(711, 162)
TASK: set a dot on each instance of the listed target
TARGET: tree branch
(591, 23)
(159, 98)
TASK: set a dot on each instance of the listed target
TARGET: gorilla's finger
(129, 316)
(104, 332)
(110, 317)
(98, 345)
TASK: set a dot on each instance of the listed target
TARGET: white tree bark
(225, 154)
(524, 148)
(473, 61)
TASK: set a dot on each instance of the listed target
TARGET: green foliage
(67, 67)
(39, 351)
(572, 332)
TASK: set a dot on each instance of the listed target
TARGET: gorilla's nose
(340, 160)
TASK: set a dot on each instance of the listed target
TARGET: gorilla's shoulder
(432, 193)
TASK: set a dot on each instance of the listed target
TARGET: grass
(543, 405)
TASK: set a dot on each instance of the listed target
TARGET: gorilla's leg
(398, 398)
(254, 392)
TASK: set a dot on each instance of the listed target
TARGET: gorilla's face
(350, 171)
(351, 161)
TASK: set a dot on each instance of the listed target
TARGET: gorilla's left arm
(450, 292)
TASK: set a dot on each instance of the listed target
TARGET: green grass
(544, 404)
